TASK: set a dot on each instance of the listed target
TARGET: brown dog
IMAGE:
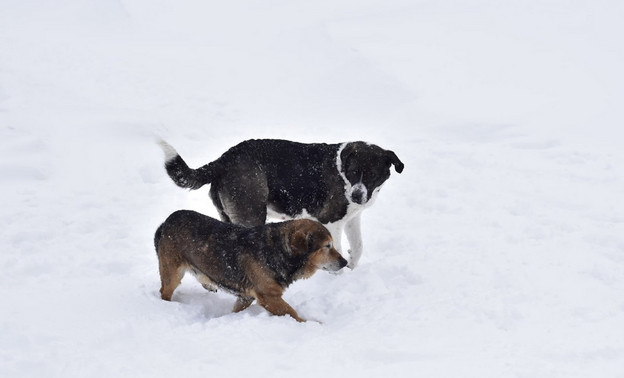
(252, 263)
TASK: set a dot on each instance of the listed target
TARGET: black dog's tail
(180, 172)
(158, 236)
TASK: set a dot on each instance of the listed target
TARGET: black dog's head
(366, 167)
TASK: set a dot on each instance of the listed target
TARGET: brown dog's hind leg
(170, 277)
(242, 303)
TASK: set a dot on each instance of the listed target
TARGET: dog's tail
(180, 172)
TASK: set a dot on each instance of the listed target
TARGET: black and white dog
(331, 183)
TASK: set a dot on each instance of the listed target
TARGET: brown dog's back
(190, 241)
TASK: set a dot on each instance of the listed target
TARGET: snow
(498, 252)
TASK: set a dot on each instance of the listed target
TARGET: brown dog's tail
(180, 172)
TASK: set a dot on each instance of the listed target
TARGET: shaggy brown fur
(252, 263)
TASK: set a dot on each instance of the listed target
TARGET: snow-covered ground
(499, 252)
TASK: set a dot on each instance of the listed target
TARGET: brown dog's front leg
(242, 303)
(277, 306)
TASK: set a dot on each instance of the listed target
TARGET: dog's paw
(352, 263)
(314, 321)
(209, 287)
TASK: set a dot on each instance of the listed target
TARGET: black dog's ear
(346, 154)
(398, 165)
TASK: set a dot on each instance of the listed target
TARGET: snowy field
(499, 252)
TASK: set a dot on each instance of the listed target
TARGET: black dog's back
(296, 175)
(288, 177)
(275, 155)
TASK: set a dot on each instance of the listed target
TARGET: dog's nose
(359, 193)
(342, 262)
(358, 197)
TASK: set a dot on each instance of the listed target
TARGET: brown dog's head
(311, 239)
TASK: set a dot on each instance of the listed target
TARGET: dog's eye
(328, 246)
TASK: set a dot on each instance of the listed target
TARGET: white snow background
(499, 252)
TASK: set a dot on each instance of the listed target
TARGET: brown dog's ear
(393, 159)
(301, 242)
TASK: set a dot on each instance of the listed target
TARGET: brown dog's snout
(342, 262)
(339, 261)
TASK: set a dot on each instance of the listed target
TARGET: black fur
(186, 177)
(288, 177)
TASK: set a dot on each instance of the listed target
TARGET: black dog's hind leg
(214, 196)
(242, 197)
